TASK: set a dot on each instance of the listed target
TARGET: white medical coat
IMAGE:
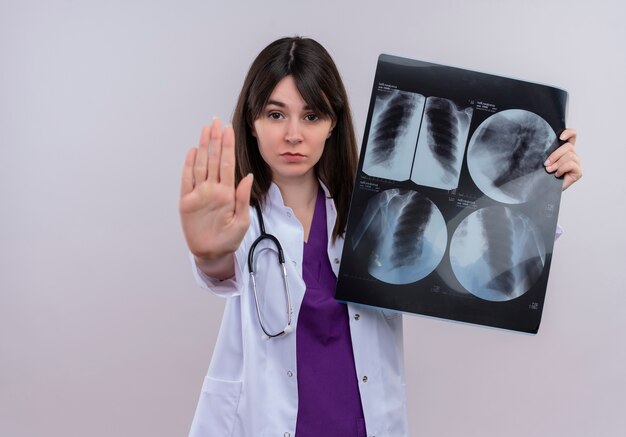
(250, 389)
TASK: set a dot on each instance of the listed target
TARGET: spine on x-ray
(408, 235)
(498, 232)
(441, 144)
(523, 159)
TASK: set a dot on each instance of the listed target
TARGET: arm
(565, 161)
(214, 215)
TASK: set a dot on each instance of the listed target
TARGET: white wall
(102, 330)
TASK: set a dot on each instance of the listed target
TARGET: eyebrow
(283, 105)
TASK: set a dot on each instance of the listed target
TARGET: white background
(102, 330)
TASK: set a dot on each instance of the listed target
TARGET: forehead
(286, 93)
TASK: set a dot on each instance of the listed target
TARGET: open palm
(214, 214)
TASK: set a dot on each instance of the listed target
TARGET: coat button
(357, 316)
(365, 379)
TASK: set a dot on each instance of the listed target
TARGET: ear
(332, 126)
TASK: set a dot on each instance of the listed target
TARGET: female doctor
(297, 362)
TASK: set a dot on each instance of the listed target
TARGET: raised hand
(214, 214)
(564, 161)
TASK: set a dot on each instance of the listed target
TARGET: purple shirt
(329, 403)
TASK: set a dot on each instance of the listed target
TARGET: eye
(311, 117)
(274, 115)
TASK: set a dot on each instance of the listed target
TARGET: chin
(293, 173)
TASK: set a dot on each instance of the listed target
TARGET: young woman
(298, 363)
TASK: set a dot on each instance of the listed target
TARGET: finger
(568, 167)
(567, 182)
(227, 163)
(215, 150)
(186, 185)
(242, 200)
(563, 168)
(569, 179)
(567, 157)
(558, 154)
(574, 175)
(200, 163)
(568, 135)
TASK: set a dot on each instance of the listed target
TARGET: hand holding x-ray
(564, 161)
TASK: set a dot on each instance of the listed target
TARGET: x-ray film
(453, 214)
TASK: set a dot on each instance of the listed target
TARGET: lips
(292, 157)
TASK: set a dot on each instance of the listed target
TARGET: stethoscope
(281, 260)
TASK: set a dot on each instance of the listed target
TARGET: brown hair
(321, 87)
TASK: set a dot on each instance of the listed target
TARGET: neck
(300, 195)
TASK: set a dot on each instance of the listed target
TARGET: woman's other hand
(565, 161)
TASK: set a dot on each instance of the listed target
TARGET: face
(290, 135)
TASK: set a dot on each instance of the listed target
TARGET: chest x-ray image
(453, 214)
(506, 153)
(441, 143)
(406, 236)
(395, 125)
(497, 254)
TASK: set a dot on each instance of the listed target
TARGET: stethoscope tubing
(281, 260)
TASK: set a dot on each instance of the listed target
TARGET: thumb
(242, 198)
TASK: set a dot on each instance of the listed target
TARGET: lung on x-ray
(407, 236)
(395, 125)
(453, 214)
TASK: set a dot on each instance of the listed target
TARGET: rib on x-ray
(506, 154)
(497, 254)
(406, 234)
(441, 144)
(393, 134)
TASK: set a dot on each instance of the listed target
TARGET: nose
(293, 135)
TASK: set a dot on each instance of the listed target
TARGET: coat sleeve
(232, 286)
(223, 288)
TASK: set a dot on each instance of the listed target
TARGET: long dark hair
(321, 87)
